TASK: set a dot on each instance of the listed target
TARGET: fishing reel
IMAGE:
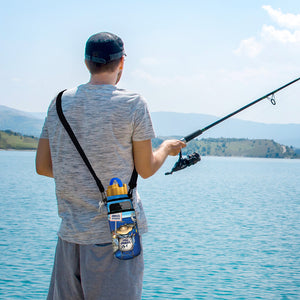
(182, 163)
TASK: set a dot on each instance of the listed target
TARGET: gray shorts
(91, 272)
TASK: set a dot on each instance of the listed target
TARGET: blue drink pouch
(122, 221)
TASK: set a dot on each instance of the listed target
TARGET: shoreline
(26, 150)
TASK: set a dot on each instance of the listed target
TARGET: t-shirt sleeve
(143, 128)
(44, 134)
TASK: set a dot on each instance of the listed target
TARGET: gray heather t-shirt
(105, 120)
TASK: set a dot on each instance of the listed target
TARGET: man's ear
(121, 66)
(86, 63)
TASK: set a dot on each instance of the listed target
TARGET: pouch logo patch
(126, 244)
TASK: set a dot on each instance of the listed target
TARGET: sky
(190, 56)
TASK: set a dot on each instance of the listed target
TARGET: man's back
(105, 120)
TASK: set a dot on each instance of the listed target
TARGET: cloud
(163, 81)
(270, 33)
(253, 46)
(249, 47)
(16, 79)
(287, 20)
(156, 80)
(149, 61)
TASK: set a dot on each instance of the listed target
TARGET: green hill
(17, 141)
(237, 147)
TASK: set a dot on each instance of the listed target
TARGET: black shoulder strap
(75, 141)
(133, 180)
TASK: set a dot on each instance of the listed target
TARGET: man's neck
(104, 78)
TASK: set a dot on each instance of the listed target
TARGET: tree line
(236, 147)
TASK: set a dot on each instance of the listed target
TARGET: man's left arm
(43, 162)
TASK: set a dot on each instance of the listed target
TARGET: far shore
(28, 150)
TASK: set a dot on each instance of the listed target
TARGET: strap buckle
(130, 193)
(102, 202)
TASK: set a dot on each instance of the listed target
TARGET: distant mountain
(20, 121)
(182, 124)
(171, 124)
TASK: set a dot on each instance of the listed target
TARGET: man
(114, 128)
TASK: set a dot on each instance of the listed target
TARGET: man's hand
(148, 162)
(173, 147)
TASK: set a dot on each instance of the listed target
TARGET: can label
(115, 217)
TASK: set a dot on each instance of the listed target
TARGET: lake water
(226, 228)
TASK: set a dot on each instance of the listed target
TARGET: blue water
(227, 228)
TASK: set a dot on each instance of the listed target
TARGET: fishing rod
(195, 157)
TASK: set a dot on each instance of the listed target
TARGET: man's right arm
(43, 160)
(148, 162)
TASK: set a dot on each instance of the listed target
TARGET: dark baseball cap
(104, 47)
